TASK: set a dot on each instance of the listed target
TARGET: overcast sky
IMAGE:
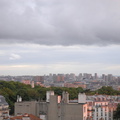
(39, 37)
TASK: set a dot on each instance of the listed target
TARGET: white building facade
(101, 107)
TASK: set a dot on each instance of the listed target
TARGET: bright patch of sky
(32, 59)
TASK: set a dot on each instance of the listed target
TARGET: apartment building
(101, 107)
(4, 108)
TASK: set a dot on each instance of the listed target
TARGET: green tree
(24, 94)
(58, 90)
(42, 93)
(33, 94)
(107, 90)
(116, 114)
(10, 98)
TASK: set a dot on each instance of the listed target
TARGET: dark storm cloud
(67, 22)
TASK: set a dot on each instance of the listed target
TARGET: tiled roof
(32, 117)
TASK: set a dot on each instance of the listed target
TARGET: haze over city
(65, 36)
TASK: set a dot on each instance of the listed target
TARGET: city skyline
(42, 37)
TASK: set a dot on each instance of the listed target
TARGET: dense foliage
(11, 89)
(108, 91)
(116, 114)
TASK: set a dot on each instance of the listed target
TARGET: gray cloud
(59, 22)
(18, 59)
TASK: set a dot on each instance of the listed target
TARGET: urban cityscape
(59, 60)
(61, 106)
(84, 80)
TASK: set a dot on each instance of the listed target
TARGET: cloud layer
(61, 22)
(32, 59)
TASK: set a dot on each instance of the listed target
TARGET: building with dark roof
(4, 108)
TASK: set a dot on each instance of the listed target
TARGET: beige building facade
(54, 108)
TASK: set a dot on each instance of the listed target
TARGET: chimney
(48, 94)
(65, 97)
(81, 98)
(19, 98)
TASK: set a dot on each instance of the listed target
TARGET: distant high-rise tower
(96, 76)
(103, 76)
(72, 77)
(110, 77)
(80, 76)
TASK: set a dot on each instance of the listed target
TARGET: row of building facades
(96, 107)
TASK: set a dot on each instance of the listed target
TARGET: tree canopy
(10, 90)
(116, 114)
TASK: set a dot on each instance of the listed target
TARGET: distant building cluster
(96, 107)
(85, 80)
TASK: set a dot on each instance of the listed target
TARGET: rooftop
(21, 117)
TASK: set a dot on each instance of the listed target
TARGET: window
(84, 118)
(84, 109)
(110, 114)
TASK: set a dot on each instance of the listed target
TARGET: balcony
(4, 109)
(91, 110)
